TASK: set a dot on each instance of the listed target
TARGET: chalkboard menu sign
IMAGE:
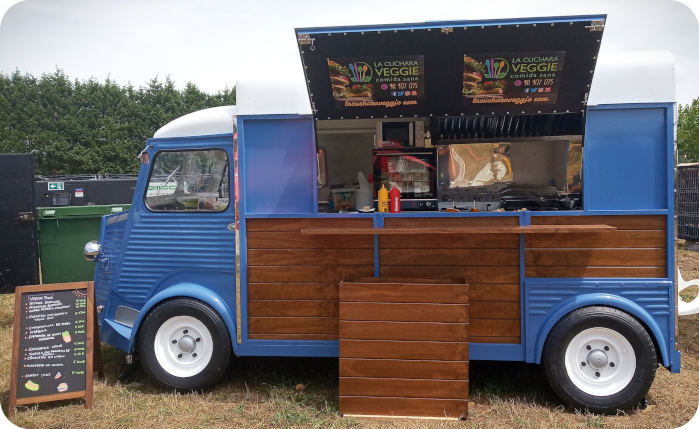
(52, 353)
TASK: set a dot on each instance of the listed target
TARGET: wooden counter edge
(533, 229)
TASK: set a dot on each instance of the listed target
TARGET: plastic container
(343, 198)
(383, 199)
(63, 232)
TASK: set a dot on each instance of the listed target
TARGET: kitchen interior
(451, 164)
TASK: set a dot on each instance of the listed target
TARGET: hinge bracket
(447, 30)
(596, 26)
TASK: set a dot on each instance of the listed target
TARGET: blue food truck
(527, 163)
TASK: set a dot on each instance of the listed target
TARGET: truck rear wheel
(184, 345)
(600, 359)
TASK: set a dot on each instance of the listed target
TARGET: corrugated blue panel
(626, 159)
(110, 241)
(280, 165)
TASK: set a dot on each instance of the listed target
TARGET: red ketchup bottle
(394, 196)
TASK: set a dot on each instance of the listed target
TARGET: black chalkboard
(52, 356)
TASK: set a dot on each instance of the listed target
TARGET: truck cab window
(194, 180)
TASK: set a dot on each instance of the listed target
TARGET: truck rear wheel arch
(617, 302)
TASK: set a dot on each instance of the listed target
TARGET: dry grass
(258, 392)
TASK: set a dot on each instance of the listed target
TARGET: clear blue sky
(214, 42)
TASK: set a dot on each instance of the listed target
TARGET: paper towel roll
(364, 195)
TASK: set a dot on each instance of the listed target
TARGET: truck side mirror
(145, 158)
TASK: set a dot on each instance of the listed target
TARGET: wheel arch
(614, 301)
(188, 290)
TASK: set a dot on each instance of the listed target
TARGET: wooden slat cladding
(452, 241)
(293, 278)
(356, 405)
(295, 240)
(310, 257)
(409, 350)
(489, 263)
(404, 347)
(297, 224)
(395, 368)
(637, 249)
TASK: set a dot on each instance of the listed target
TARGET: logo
(496, 68)
(534, 89)
(360, 72)
(400, 93)
(384, 86)
(518, 82)
(547, 89)
(56, 186)
(526, 90)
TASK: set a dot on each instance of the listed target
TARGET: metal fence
(687, 186)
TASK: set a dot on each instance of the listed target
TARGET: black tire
(630, 328)
(221, 344)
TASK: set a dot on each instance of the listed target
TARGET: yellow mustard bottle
(383, 199)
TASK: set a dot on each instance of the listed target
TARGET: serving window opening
(434, 172)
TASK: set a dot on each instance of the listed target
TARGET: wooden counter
(512, 229)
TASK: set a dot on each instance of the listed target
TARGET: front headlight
(91, 250)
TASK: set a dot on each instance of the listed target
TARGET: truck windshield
(194, 180)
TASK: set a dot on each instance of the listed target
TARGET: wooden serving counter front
(404, 348)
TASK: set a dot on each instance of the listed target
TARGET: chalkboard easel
(55, 344)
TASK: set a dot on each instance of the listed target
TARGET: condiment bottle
(395, 200)
(383, 199)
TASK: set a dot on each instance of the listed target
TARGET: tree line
(89, 127)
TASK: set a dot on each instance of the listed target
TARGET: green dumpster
(63, 232)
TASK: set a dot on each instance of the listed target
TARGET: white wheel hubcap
(600, 361)
(183, 346)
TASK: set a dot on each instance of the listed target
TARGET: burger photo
(339, 79)
(361, 90)
(473, 74)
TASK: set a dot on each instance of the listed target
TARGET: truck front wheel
(184, 345)
(600, 359)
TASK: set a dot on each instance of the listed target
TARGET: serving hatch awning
(493, 67)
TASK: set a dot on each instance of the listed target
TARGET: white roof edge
(272, 98)
(212, 121)
(624, 77)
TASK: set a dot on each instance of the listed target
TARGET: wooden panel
(297, 224)
(621, 222)
(494, 328)
(432, 222)
(393, 368)
(406, 312)
(498, 340)
(292, 325)
(306, 274)
(374, 292)
(494, 310)
(493, 292)
(275, 308)
(296, 240)
(596, 257)
(611, 272)
(619, 239)
(472, 274)
(404, 331)
(456, 257)
(314, 337)
(453, 241)
(301, 257)
(407, 388)
(293, 291)
(418, 350)
(359, 405)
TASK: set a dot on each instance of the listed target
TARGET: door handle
(25, 217)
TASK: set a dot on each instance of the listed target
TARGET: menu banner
(52, 351)
(523, 78)
(377, 81)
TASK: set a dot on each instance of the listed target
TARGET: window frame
(152, 168)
